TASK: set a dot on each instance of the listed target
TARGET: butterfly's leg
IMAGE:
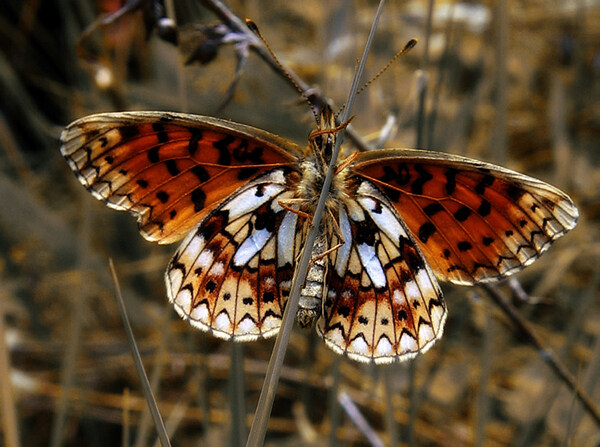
(285, 204)
(345, 163)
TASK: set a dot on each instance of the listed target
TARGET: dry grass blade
(139, 366)
(7, 410)
(359, 420)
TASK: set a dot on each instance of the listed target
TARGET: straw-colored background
(511, 82)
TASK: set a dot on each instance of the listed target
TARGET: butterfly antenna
(254, 28)
(409, 45)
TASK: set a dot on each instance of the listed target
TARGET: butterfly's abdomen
(311, 296)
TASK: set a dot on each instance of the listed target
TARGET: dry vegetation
(523, 91)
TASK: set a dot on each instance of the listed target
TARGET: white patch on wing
(425, 334)
(359, 346)
(383, 348)
(438, 318)
(175, 279)
(407, 343)
(411, 289)
(190, 248)
(205, 259)
(223, 323)
(398, 297)
(184, 300)
(247, 326)
(251, 245)
(269, 281)
(248, 200)
(343, 253)
(218, 269)
(372, 265)
(385, 219)
(270, 323)
(355, 212)
(200, 313)
(285, 239)
(423, 279)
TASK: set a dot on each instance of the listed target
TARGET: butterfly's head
(321, 142)
(323, 138)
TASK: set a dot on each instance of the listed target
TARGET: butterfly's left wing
(473, 221)
(169, 169)
(383, 302)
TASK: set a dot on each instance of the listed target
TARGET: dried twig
(545, 353)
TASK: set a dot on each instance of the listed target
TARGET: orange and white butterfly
(395, 220)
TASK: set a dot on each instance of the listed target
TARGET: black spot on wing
(450, 181)
(198, 197)
(400, 177)
(201, 173)
(462, 214)
(196, 137)
(487, 241)
(162, 196)
(484, 208)
(419, 182)
(161, 135)
(129, 131)
(222, 146)
(426, 231)
(433, 208)
(153, 154)
(464, 246)
(484, 183)
(514, 192)
(172, 168)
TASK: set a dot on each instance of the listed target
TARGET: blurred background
(512, 82)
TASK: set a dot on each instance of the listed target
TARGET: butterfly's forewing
(473, 221)
(168, 169)
(383, 302)
(231, 276)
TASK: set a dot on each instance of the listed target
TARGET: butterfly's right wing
(231, 276)
(474, 222)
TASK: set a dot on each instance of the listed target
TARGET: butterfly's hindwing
(473, 221)
(231, 275)
(168, 169)
(383, 302)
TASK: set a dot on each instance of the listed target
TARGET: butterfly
(395, 221)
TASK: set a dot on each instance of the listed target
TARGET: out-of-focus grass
(56, 238)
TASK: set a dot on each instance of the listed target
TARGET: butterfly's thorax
(309, 188)
(315, 166)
